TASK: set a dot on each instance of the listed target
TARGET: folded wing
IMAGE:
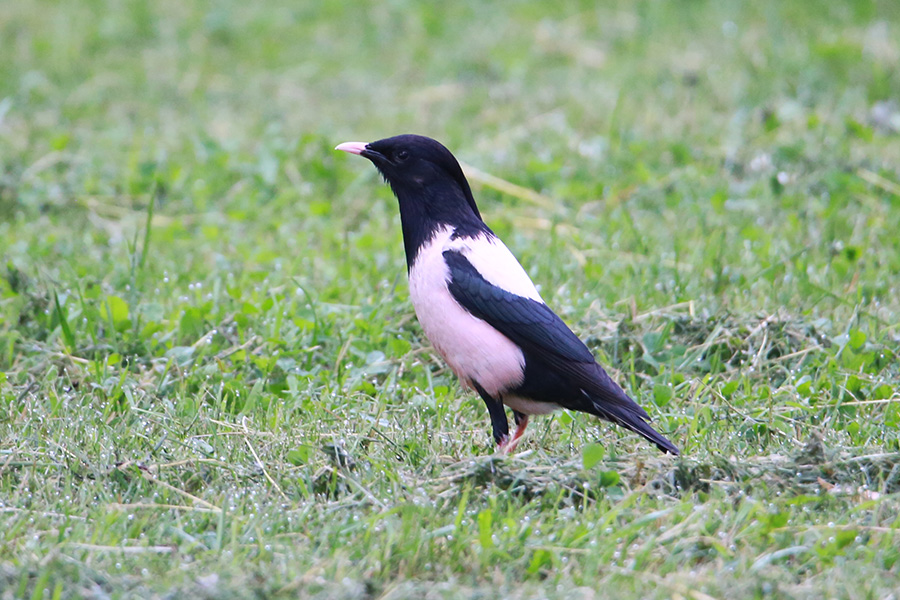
(543, 336)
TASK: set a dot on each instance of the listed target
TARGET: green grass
(214, 382)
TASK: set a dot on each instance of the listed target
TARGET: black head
(429, 185)
(423, 174)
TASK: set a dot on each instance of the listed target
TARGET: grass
(214, 385)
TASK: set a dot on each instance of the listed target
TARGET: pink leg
(506, 446)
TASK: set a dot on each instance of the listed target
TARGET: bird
(479, 308)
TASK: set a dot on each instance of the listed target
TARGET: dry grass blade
(507, 187)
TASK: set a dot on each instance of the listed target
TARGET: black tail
(586, 387)
(635, 420)
(609, 401)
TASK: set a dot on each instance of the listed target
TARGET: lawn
(213, 382)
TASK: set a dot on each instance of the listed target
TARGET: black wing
(544, 336)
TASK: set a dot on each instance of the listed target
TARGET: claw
(507, 445)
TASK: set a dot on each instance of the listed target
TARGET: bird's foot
(506, 444)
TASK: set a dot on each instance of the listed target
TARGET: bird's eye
(401, 155)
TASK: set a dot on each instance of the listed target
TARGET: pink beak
(351, 147)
